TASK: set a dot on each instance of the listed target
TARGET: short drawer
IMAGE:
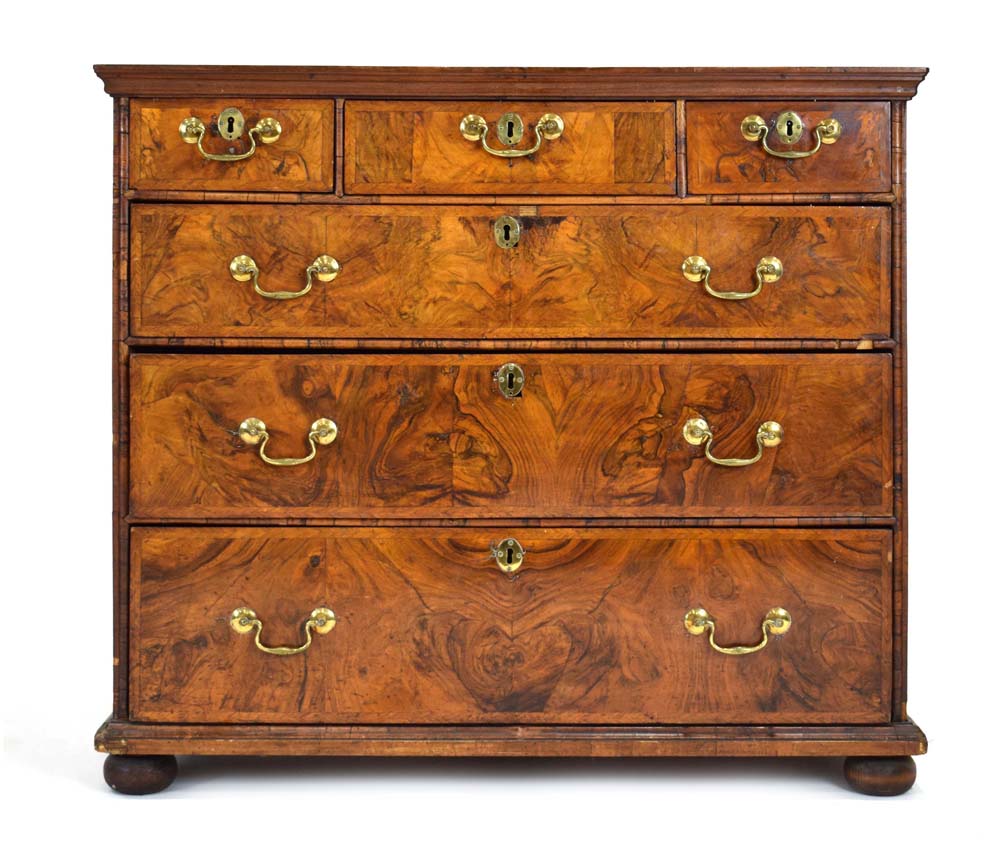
(581, 271)
(406, 147)
(525, 435)
(424, 625)
(292, 153)
(852, 155)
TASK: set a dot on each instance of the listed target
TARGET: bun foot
(138, 775)
(880, 776)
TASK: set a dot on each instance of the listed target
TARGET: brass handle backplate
(788, 129)
(768, 270)
(508, 554)
(775, 623)
(244, 268)
(321, 620)
(698, 432)
(510, 130)
(230, 126)
(253, 432)
(510, 380)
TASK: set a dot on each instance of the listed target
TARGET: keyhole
(510, 555)
(788, 127)
(506, 233)
(510, 386)
(510, 129)
(229, 124)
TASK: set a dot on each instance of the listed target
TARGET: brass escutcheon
(510, 380)
(509, 555)
(507, 232)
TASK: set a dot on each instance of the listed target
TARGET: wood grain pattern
(300, 160)
(589, 630)
(405, 271)
(721, 160)
(406, 147)
(431, 436)
(579, 272)
(616, 272)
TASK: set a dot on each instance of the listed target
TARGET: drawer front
(300, 159)
(590, 629)
(407, 147)
(432, 436)
(722, 161)
(576, 272)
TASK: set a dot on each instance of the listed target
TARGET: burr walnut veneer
(509, 412)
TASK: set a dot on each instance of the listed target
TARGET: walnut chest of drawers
(509, 412)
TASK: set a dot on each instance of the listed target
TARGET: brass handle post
(775, 623)
(244, 268)
(768, 270)
(698, 432)
(244, 620)
(253, 432)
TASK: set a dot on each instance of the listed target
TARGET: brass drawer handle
(698, 432)
(788, 128)
(254, 433)
(474, 128)
(244, 268)
(230, 126)
(768, 270)
(775, 623)
(321, 620)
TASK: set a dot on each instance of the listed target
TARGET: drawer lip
(607, 148)
(818, 571)
(300, 160)
(456, 483)
(862, 83)
(720, 158)
(619, 275)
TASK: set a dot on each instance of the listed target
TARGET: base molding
(121, 737)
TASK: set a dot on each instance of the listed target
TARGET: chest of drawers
(509, 412)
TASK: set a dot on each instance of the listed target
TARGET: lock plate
(788, 127)
(507, 232)
(508, 555)
(510, 129)
(230, 123)
(510, 380)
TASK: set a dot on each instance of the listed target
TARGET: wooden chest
(516, 412)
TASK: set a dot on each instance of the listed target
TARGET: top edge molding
(638, 84)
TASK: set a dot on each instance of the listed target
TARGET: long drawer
(584, 271)
(464, 436)
(594, 626)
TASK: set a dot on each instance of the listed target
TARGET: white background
(56, 472)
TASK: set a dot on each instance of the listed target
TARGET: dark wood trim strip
(640, 84)
(175, 195)
(118, 737)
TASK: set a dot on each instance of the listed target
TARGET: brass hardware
(788, 128)
(253, 432)
(230, 125)
(775, 623)
(698, 432)
(510, 380)
(324, 268)
(508, 555)
(321, 620)
(474, 128)
(507, 231)
(768, 270)
(510, 128)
